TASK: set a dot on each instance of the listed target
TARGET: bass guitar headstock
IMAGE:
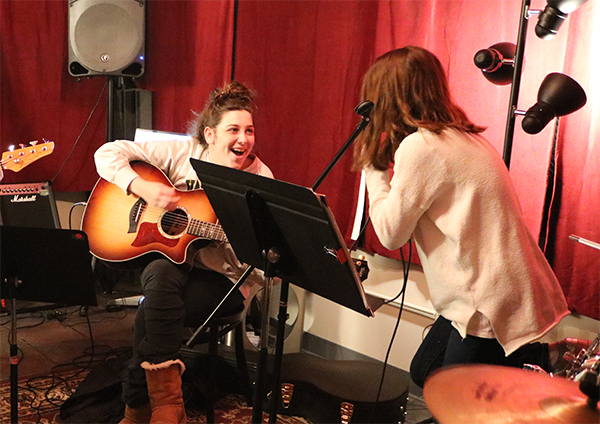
(15, 160)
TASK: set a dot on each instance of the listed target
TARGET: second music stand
(42, 265)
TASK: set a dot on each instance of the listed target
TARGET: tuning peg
(22, 145)
(33, 143)
(11, 148)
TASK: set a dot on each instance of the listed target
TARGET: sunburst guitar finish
(122, 227)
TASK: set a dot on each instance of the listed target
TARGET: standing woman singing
(223, 133)
(452, 194)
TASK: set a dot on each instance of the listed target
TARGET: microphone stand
(13, 283)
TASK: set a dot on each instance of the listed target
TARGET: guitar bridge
(135, 214)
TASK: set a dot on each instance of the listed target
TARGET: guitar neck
(207, 230)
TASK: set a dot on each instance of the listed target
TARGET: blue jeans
(174, 297)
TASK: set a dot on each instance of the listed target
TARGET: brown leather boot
(139, 415)
(164, 389)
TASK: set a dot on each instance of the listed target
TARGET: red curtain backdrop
(306, 60)
(577, 199)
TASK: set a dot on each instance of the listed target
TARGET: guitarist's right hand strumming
(156, 194)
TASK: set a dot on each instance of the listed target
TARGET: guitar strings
(21, 155)
(172, 218)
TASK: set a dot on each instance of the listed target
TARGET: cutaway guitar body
(122, 227)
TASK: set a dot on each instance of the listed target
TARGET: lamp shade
(554, 15)
(558, 95)
(496, 63)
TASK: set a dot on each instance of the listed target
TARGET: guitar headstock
(362, 267)
(15, 160)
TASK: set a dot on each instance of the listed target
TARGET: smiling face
(232, 140)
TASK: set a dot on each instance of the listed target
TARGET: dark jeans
(444, 346)
(173, 298)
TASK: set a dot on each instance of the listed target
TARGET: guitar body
(122, 227)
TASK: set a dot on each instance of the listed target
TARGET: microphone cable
(91, 114)
(402, 292)
(406, 269)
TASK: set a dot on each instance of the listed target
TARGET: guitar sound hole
(174, 223)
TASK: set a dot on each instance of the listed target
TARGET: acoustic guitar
(15, 160)
(122, 227)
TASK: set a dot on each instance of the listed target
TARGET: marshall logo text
(19, 199)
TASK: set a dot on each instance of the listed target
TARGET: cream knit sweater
(453, 194)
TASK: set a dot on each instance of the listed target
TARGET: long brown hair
(232, 96)
(410, 90)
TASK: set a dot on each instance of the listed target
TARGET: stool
(216, 328)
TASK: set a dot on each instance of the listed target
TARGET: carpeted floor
(40, 400)
(66, 349)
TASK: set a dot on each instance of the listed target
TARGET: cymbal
(492, 394)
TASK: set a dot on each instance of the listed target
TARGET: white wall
(65, 205)
(371, 336)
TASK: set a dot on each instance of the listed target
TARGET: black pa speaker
(29, 205)
(107, 37)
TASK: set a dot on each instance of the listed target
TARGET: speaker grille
(106, 37)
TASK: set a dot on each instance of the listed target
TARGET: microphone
(364, 108)
(497, 63)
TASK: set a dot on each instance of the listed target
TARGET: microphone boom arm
(363, 109)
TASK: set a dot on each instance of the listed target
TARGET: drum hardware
(587, 242)
(535, 368)
(581, 361)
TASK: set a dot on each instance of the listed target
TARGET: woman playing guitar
(223, 133)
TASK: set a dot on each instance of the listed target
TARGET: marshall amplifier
(28, 205)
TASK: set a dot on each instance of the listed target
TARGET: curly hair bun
(231, 91)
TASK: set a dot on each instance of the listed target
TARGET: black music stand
(289, 232)
(42, 265)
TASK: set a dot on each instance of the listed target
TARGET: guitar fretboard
(207, 230)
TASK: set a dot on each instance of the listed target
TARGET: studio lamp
(497, 63)
(554, 15)
(558, 95)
